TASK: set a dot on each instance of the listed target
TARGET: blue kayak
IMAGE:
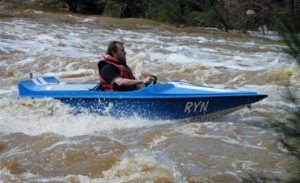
(163, 101)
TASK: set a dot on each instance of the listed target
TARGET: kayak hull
(165, 101)
(161, 109)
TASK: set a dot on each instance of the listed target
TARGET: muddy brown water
(40, 141)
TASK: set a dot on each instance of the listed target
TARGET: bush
(165, 11)
(202, 19)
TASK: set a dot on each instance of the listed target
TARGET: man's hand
(147, 80)
(154, 79)
(150, 79)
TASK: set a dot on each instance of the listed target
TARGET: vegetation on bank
(226, 14)
(241, 15)
(289, 133)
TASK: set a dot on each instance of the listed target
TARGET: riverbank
(223, 15)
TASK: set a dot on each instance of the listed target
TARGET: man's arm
(132, 82)
(111, 75)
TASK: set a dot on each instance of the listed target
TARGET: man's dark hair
(112, 47)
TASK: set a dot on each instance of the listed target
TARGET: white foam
(179, 58)
(47, 115)
(4, 91)
(79, 72)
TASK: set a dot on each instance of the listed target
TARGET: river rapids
(41, 141)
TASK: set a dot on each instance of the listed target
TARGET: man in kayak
(115, 74)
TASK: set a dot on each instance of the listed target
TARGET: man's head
(116, 49)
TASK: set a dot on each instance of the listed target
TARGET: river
(40, 141)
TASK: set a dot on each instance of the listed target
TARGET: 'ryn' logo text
(200, 106)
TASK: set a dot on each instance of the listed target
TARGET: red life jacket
(124, 70)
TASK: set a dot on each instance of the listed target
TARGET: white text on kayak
(196, 106)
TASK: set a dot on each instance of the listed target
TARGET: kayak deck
(51, 87)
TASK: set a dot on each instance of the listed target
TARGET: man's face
(120, 55)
